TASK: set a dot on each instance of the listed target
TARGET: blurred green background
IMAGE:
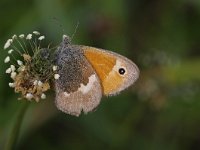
(160, 112)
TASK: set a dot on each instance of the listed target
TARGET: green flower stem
(15, 130)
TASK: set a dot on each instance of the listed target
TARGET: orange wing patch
(111, 83)
(103, 63)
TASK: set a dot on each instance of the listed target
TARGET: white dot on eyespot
(122, 71)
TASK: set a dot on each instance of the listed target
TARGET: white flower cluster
(19, 48)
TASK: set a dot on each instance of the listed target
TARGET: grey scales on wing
(78, 87)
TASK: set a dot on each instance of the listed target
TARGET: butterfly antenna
(75, 30)
(59, 23)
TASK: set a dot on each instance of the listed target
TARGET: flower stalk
(15, 129)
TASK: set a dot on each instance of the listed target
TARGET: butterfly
(88, 73)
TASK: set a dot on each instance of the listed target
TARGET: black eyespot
(122, 71)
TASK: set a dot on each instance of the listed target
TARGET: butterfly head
(66, 39)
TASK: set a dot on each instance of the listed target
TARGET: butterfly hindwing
(78, 88)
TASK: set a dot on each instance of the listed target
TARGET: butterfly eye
(122, 71)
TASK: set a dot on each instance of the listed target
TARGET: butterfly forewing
(116, 72)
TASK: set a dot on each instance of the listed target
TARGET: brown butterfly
(87, 73)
